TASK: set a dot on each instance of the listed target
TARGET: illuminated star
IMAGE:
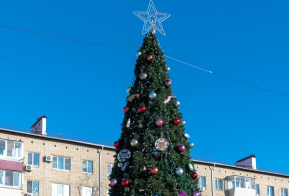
(152, 19)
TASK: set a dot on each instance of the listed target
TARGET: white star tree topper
(152, 19)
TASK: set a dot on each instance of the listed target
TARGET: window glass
(84, 166)
(9, 178)
(2, 147)
(60, 163)
(10, 147)
(36, 159)
(243, 182)
(29, 158)
(270, 191)
(35, 187)
(17, 179)
(54, 163)
(67, 164)
(87, 191)
(238, 181)
(109, 168)
(203, 180)
(18, 149)
(29, 186)
(89, 164)
(1, 177)
(257, 189)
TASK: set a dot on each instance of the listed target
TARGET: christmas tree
(153, 154)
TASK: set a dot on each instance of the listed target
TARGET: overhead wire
(101, 44)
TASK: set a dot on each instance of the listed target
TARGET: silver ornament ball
(183, 123)
(138, 53)
(134, 142)
(191, 144)
(143, 76)
(178, 103)
(167, 69)
(179, 171)
(153, 95)
(128, 89)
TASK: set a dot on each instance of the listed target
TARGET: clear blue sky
(79, 86)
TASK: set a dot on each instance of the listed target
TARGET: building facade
(37, 164)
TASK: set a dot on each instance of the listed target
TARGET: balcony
(240, 186)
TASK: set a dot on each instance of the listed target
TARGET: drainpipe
(99, 178)
(212, 177)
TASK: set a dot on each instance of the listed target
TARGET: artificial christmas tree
(153, 152)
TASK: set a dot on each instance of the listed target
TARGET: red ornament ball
(154, 170)
(116, 144)
(142, 109)
(125, 109)
(177, 121)
(194, 175)
(124, 182)
(181, 148)
(150, 58)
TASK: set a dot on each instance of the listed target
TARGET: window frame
(69, 193)
(200, 181)
(268, 188)
(282, 191)
(217, 180)
(86, 190)
(57, 163)
(5, 151)
(257, 187)
(32, 187)
(33, 159)
(86, 162)
(111, 165)
(20, 179)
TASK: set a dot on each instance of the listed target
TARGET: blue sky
(81, 88)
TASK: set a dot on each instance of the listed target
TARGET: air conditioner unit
(48, 158)
(29, 194)
(29, 167)
(202, 189)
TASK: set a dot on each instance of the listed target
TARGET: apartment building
(243, 178)
(34, 162)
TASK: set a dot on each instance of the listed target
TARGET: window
(87, 167)
(33, 187)
(219, 184)
(257, 189)
(241, 182)
(270, 191)
(33, 159)
(60, 190)
(284, 192)
(87, 191)
(61, 163)
(10, 148)
(10, 178)
(202, 181)
(109, 168)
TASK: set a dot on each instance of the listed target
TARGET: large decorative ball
(168, 83)
(197, 193)
(179, 171)
(183, 123)
(194, 175)
(113, 182)
(124, 182)
(181, 148)
(154, 170)
(116, 144)
(150, 58)
(177, 121)
(143, 76)
(178, 103)
(167, 69)
(153, 95)
(159, 122)
(128, 89)
(134, 142)
(191, 167)
(156, 195)
(138, 53)
(191, 144)
(142, 109)
(125, 109)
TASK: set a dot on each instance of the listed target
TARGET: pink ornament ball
(168, 83)
(113, 182)
(159, 122)
(197, 193)
(181, 148)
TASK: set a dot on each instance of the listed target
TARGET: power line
(127, 46)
